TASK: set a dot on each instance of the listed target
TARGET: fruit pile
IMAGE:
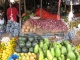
(78, 47)
(7, 50)
(28, 27)
(56, 51)
(26, 56)
(26, 44)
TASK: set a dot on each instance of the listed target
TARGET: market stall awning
(74, 2)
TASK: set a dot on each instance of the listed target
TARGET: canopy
(74, 2)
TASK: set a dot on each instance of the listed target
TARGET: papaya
(63, 50)
(78, 57)
(71, 55)
(45, 47)
(54, 44)
(62, 57)
(36, 49)
(41, 44)
(46, 40)
(52, 51)
(55, 58)
(57, 52)
(64, 42)
(49, 56)
(46, 59)
(76, 53)
(59, 45)
(41, 55)
(67, 59)
(69, 47)
(45, 54)
(59, 58)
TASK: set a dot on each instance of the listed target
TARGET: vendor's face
(10, 4)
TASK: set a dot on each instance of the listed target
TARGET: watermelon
(28, 44)
(24, 50)
(31, 38)
(21, 44)
(18, 49)
(31, 49)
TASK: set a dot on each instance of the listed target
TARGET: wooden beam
(25, 6)
(20, 12)
(41, 9)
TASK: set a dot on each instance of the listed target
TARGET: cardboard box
(76, 41)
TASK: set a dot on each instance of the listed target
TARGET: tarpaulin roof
(74, 2)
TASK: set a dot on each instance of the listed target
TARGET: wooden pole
(41, 10)
(71, 5)
(34, 4)
(71, 11)
(59, 3)
(20, 13)
(25, 6)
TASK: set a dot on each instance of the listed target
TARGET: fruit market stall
(42, 39)
(48, 23)
(37, 48)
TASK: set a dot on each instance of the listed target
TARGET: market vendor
(12, 25)
(1, 25)
(12, 12)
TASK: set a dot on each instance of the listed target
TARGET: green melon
(25, 50)
(28, 44)
(21, 44)
(18, 49)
